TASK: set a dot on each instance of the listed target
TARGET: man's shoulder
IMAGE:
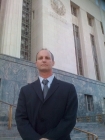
(63, 83)
(29, 85)
(67, 87)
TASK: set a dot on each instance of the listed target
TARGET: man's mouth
(44, 65)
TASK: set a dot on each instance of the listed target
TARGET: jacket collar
(52, 89)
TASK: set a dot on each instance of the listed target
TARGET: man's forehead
(44, 52)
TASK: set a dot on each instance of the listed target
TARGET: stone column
(11, 16)
(99, 39)
(89, 70)
(102, 13)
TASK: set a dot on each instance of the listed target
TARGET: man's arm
(67, 123)
(24, 127)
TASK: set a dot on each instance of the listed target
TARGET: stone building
(26, 26)
(73, 30)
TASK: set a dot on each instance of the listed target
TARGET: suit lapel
(38, 89)
(53, 88)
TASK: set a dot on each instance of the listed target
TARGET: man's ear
(53, 63)
(36, 63)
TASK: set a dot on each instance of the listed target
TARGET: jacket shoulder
(28, 86)
(65, 83)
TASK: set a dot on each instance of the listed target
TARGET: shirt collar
(50, 79)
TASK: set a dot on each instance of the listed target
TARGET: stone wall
(15, 73)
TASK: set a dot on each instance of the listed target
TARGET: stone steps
(5, 132)
(10, 138)
(96, 128)
(9, 133)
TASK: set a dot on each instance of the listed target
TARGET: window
(89, 102)
(95, 57)
(104, 103)
(33, 14)
(26, 30)
(74, 10)
(90, 20)
(102, 27)
(78, 50)
(0, 3)
(0, 82)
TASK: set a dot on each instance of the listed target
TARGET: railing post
(96, 138)
(88, 136)
(10, 117)
(92, 137)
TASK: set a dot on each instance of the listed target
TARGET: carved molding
(58, 7)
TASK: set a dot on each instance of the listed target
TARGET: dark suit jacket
(52, 118)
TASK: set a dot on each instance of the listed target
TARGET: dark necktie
(45, 88)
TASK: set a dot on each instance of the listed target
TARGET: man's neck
(45, 75)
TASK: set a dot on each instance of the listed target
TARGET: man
(46, 110)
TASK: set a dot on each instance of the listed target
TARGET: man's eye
(47, 57)
(40, 58)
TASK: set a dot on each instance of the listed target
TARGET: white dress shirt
(50, 79)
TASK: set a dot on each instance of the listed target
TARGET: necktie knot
(45, 81)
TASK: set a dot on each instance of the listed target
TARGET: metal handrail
(93, 136)
(95, 118)
(9, 114)
(7, 103)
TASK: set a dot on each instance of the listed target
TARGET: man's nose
(44, 60)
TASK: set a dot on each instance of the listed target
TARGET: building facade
(74, 31)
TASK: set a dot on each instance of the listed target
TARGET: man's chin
(44, 70)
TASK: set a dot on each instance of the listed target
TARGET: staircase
(8, 134)
(12, 134)
(95, 128)
(10, 138)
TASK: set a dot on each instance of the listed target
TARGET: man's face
(44, 61)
